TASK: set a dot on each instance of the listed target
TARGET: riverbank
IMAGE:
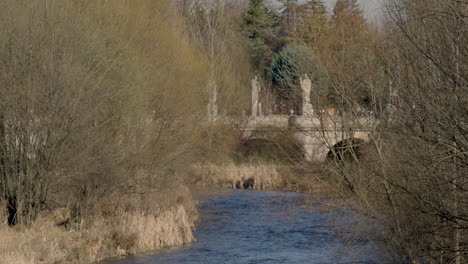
(249, 226)
(132, 224)
(118, 230)
(257, 176)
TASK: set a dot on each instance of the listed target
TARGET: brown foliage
(92, 93)
(412, 176)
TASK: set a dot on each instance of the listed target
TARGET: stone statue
(255, 95)
(306, 86)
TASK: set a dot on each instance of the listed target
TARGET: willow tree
(93, 93)
(56, 91)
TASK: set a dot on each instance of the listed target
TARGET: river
(256, 227)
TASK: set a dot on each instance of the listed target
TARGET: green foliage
(288, 66)
(312, 25)
(260, 26)
(348, 21)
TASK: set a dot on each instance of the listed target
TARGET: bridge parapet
(315, 134)
(328, 122)
(271, 121)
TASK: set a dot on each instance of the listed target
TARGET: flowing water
(265, 227)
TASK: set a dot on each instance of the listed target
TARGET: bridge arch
(346, 149)
(282, 149)
(318, 137)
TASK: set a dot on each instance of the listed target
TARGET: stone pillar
(314, 147)
(255, 95)
(213, 101)
(306, 86)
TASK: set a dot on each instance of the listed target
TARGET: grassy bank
(244, 176)
(125, 224)
(97, 118)
(116, 230)
(257, 176)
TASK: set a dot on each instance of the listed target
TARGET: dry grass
(249, 176)
(125, 232)
(41, 243)
(172, 227)
(260, 176)
(296, 179)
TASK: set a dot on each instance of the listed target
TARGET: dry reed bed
(123, 233)
(252, 176)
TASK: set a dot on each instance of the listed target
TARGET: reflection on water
(262, 227)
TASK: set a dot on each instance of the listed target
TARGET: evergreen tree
(260, 26)
(347, 8)
(348, 19)
(289, 15)
(312, 27)
(351, 53)
(288, 66)
(349, 31)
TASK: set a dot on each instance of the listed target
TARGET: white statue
(255, 95)
(306, 86)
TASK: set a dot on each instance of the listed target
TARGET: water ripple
(262, 227)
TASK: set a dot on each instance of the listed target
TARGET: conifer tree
(260, 26)
(312, 27)
(289, 66)
(348, 21)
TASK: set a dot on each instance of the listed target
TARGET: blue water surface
(254, 227)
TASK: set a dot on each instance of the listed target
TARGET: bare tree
(411, 177)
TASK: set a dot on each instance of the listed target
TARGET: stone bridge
(316, 135)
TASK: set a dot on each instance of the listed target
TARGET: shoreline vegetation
(118, 233)
(121, 230)
(95, 101)
(263, 175)
(113, 112)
